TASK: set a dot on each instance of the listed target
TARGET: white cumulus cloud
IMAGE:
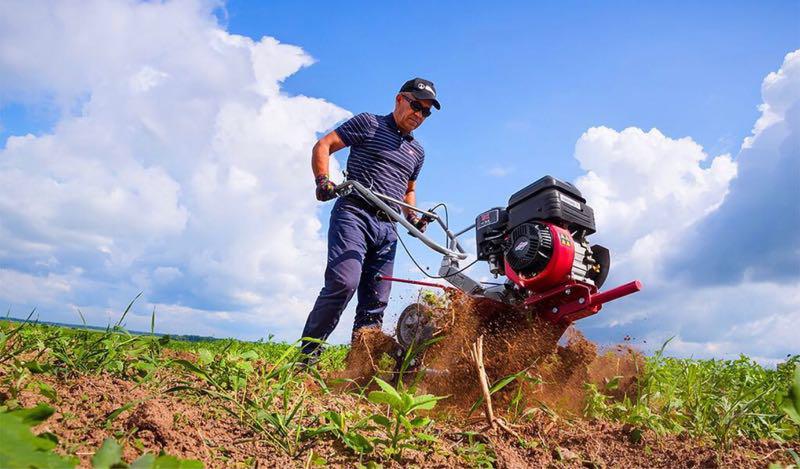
(176, 166)
(646, 189)
(717, 242)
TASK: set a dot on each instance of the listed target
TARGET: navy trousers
(360, 247)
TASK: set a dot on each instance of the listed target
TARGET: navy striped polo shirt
(381, 158)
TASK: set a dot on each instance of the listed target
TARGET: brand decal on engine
(565, 241)
(568, 201)
(521, 245)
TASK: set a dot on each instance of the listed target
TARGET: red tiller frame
(415, 282)
(568, 302)
(574, 300)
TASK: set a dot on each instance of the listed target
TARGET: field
(113, 399)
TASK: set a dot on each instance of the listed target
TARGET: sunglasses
(417, 106)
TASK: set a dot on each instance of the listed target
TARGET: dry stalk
(363, 340)
(477, 357)
(494, 422)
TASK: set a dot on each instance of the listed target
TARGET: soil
(192, 427)
(364, 357)
(543, 406)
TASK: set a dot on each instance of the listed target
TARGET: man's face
(404, 114)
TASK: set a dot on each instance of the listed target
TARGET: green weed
(268, 397)
(401, 429)
(719, 399)
(19, 447)
(477, 453)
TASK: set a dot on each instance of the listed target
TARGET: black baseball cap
(421, 89)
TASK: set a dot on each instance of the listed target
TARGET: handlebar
(379, 200)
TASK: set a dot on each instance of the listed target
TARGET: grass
(261, 385)
(718, 399)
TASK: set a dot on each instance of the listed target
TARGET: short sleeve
(357, 129)
(418, 167)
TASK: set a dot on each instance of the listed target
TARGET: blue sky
(168, 152)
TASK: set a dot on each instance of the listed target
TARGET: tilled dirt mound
(515, 342)
(363, 359)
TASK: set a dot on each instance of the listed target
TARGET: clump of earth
(552, 361)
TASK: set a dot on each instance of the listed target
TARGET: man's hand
(326, 189)
(420, 223)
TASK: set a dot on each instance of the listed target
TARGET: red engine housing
(557, 270)
(555, 293)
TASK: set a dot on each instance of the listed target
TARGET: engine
(540, 239)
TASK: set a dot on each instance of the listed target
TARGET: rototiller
(538, 243)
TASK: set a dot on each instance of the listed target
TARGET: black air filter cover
(529, 248)
(552, 200)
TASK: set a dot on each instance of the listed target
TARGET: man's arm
(410, 199)
(321, 154)
(420, 222)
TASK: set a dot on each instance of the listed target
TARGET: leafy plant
(109, 456)
(270, 398)
(790, 401)
(720, 399)
(403, 430)
(114, 351)
(477, 453)
(349, 433)
(19, 447)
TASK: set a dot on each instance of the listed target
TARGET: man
(361, 239)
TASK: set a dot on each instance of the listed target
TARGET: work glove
(326, 189)
(420, 223)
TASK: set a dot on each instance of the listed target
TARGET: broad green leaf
(20, 448)
(381, 420)
(408, 402)
(49, 436)
(420, 421)
(791, 402)
(249, 355)
(144, 461)
(149, 461)
(389, 389)
(204, 356)
(334, 417)
(405, 422)
(635, 436)
(317, 460)
(108, 455)
(36, 367)
(171, 462)
(359, 443)
(380, 397)
(426, 402)
(35, 415)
